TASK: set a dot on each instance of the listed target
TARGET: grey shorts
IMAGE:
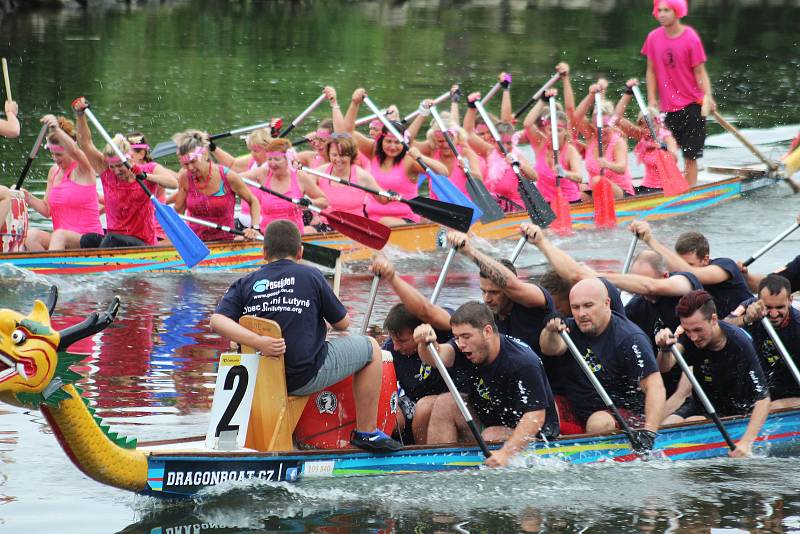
(346, 356)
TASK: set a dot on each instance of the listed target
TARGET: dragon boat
(35, 373)
(241, 256)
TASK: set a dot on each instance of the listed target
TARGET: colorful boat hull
(175, 474)
(240, 256)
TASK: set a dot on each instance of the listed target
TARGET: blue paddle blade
(448, 192)
(189, 246)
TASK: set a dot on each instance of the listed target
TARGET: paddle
(787, 358)
(477, 190)
(771, 165)
(563, 223)
(539, 210)
(408, 118)
(435, 210)
(166, 148)
(537, 95)
(324, 256)
(763, 250)
(598, 387)
(493, 91)
(370, 233)
(188, 245)
(698, 390)
(373, 292)
(605, 214)
(629, 257)
(6, 80)
(443, 370)
(300, 118)
(31, 157)
(672, 180)
(452, 215)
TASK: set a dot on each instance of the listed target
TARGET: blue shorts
(346, 356)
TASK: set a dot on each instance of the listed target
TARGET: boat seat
(274, 414)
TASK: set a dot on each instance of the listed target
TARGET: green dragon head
(33, 364)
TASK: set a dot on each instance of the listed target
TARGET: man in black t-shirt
(508, 390)
(420, 382)
(619, 354)
(656, 291)
(775, 302)
(724, 362)
(721, 277)
(520, 308)
(299, 299)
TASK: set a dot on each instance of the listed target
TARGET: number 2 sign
(233, 397)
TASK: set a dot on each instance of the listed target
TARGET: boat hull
(242, 256)
(177, 474)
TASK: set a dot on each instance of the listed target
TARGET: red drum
(14, 227)
(330, 414)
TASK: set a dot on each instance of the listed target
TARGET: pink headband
(140, 146)
(194, 155)
(56, 149)
(323, 134)
(290, 155)
(113, 160)
(680, 7)
(375, 123)
(405, 136)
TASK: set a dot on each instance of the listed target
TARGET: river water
(160, 67)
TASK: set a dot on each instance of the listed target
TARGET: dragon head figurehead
(33, 364)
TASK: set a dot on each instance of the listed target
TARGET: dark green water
(222, 64)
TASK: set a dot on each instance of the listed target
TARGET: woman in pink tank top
(615, 146)
(540, 134)
(70, 199)
(208, 191)
(129, 211)
(646, 148)
(343, 154)
(392, 166)
(140, 155)
(281, 177)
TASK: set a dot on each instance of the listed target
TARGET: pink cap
(680, 7)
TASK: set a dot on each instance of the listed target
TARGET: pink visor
(140, 146)
(113, 160)
(194, 155)
(56, 149)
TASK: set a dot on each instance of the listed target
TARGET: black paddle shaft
(31, 157)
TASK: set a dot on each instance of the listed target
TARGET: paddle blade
(450, 215)
(792, 163)
(188, 245)
(605, 215)
(367, 232)
(320, 255)
(163, 149)
(672, 180)
(484, 200)
(539, 210)
(562, 225)
(448, 192)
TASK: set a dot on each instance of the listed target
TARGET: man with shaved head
(618, 353)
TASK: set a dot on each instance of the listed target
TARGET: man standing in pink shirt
(676, 69)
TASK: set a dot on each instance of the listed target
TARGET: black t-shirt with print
(511, 386)
(620, 357)
(732, 378)
(299, 299)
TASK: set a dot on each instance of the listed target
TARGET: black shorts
(688, 127)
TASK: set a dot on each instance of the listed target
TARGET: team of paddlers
(508, 355)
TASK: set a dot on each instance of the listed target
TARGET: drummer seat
(274, 414)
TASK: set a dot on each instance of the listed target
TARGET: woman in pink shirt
(614, 158)
(70, 199)
(677, 81)
(392, 166)
(130, 220)
(343, 155)
(140, 155)
(646, 148)
(281, 177)
(208, 190)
